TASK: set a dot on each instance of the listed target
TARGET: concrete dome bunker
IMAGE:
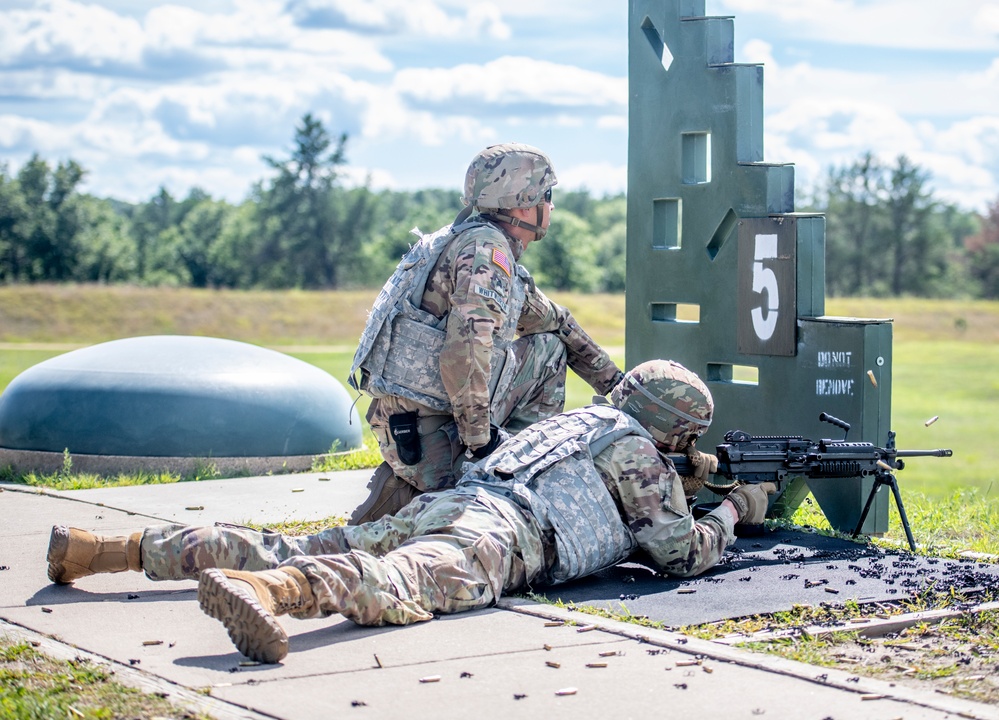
(174, 403)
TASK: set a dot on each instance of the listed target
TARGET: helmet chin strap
(538, 231)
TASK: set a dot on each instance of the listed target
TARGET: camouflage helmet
(669, 400)
(507, 176)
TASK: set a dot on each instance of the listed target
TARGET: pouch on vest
(405, 430)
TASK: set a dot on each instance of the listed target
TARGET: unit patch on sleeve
(500, 258)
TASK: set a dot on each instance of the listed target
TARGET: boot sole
(58, 547)
(253, 630)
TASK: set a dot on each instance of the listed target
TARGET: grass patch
(33, 685)
(942, 527)
(297, 528)
(366, 457)
(959, 656)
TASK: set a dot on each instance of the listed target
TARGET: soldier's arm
(482, 287)
(585, 357)
(650, 496)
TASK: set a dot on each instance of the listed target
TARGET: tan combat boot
(389, 495)
(247, 602)
(74, 554)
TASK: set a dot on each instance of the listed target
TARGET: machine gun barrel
(940, 452)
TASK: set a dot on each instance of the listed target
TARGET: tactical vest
(399, 351)
(548, 470)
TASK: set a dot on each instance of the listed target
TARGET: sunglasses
(548, 195)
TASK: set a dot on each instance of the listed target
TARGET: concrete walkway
(521, 659)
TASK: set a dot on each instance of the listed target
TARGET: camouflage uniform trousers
(537, 392)
(444, 552)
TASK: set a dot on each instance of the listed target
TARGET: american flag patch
(500, 258)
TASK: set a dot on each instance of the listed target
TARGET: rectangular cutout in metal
(675, 313)
(695, 153)
(666, 218)
(734, 374)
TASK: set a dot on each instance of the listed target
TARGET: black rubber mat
(772, 572)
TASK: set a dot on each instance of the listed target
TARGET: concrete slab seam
(133, 677)
(827, 677)
(46, 492)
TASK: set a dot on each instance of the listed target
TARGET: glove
(751, 502)
(496, 437)
(703, 465)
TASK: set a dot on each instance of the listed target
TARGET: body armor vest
(399, 351)
(548, 470)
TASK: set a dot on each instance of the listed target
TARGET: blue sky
(195, 93)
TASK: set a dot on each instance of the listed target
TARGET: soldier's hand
(751, 502)
(496, 437)
(703, 465)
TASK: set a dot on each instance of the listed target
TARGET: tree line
(301, 227)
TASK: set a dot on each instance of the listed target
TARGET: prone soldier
(566, 497)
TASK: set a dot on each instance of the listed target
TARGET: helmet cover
(507, 176)
(669, 401)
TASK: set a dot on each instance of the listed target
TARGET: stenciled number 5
(764, 280)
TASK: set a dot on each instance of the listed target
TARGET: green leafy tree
(566, 258)
(854, 197)
(48, 235)
(983, 253)
(394, 217)
(311, 231)
(107, 247)
(915, 258)
(887, 235)
(14, 219)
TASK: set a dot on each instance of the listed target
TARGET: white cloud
(62, 31)
(987, 18)
(598, 178)
(917, 24)
(176, 41)
(919, 93)
(961, 157)
(423, 18)
(512, 81)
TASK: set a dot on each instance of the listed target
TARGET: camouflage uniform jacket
(594, 480)
(480, 297)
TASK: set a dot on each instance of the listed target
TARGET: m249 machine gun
(745, 458)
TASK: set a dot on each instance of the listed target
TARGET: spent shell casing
(555, 623)
(566, 691)
(430, 679)
(586, 628)
(931, 420)
(874, 380)
(553, 664)
(596, 665)
(687, 663)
